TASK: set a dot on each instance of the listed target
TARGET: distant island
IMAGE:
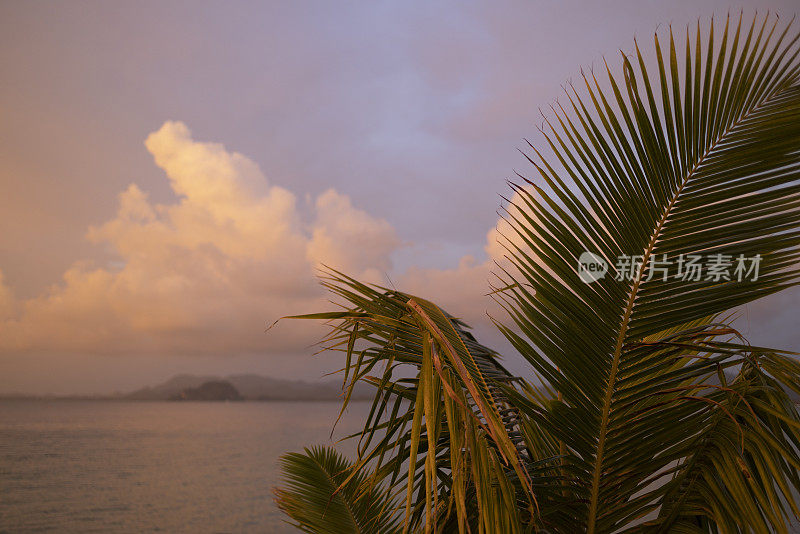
(215, 390)
(245, 387)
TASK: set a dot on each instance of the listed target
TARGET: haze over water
(75, 466)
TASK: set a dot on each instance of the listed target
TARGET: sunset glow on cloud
(205, 273)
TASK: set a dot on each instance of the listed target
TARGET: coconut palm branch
(317, 500)
(440, 416)
(628, 420)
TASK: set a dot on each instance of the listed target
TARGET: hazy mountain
(252, 387)
(171, 387)
(215, 390)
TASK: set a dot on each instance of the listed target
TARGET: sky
(172, 173)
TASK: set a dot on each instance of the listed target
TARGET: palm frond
(439, 407)
(702, 160)
(317, 498)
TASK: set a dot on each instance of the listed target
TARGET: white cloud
(349, 239)
(7, 301)
(203, 274)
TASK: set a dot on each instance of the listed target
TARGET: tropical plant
(628, 420)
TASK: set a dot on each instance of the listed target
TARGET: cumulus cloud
(460, 290)
(202, 274)
(463, 289)
(7, 302)
(350, 239)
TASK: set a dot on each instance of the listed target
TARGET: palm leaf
(703, 161)
(439, 407)
(315, 498)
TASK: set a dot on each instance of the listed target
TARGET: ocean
(108, 466)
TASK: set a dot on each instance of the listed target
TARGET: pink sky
(171, 173)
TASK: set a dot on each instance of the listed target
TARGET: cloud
(205, 273)
(463, 290)
(349, 239)
(7, 301)
(201, 276)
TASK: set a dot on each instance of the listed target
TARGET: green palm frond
(439, 405)
(699, 160)
(317, 498)
(648, 411)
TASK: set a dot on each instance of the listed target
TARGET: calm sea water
(153, 466)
